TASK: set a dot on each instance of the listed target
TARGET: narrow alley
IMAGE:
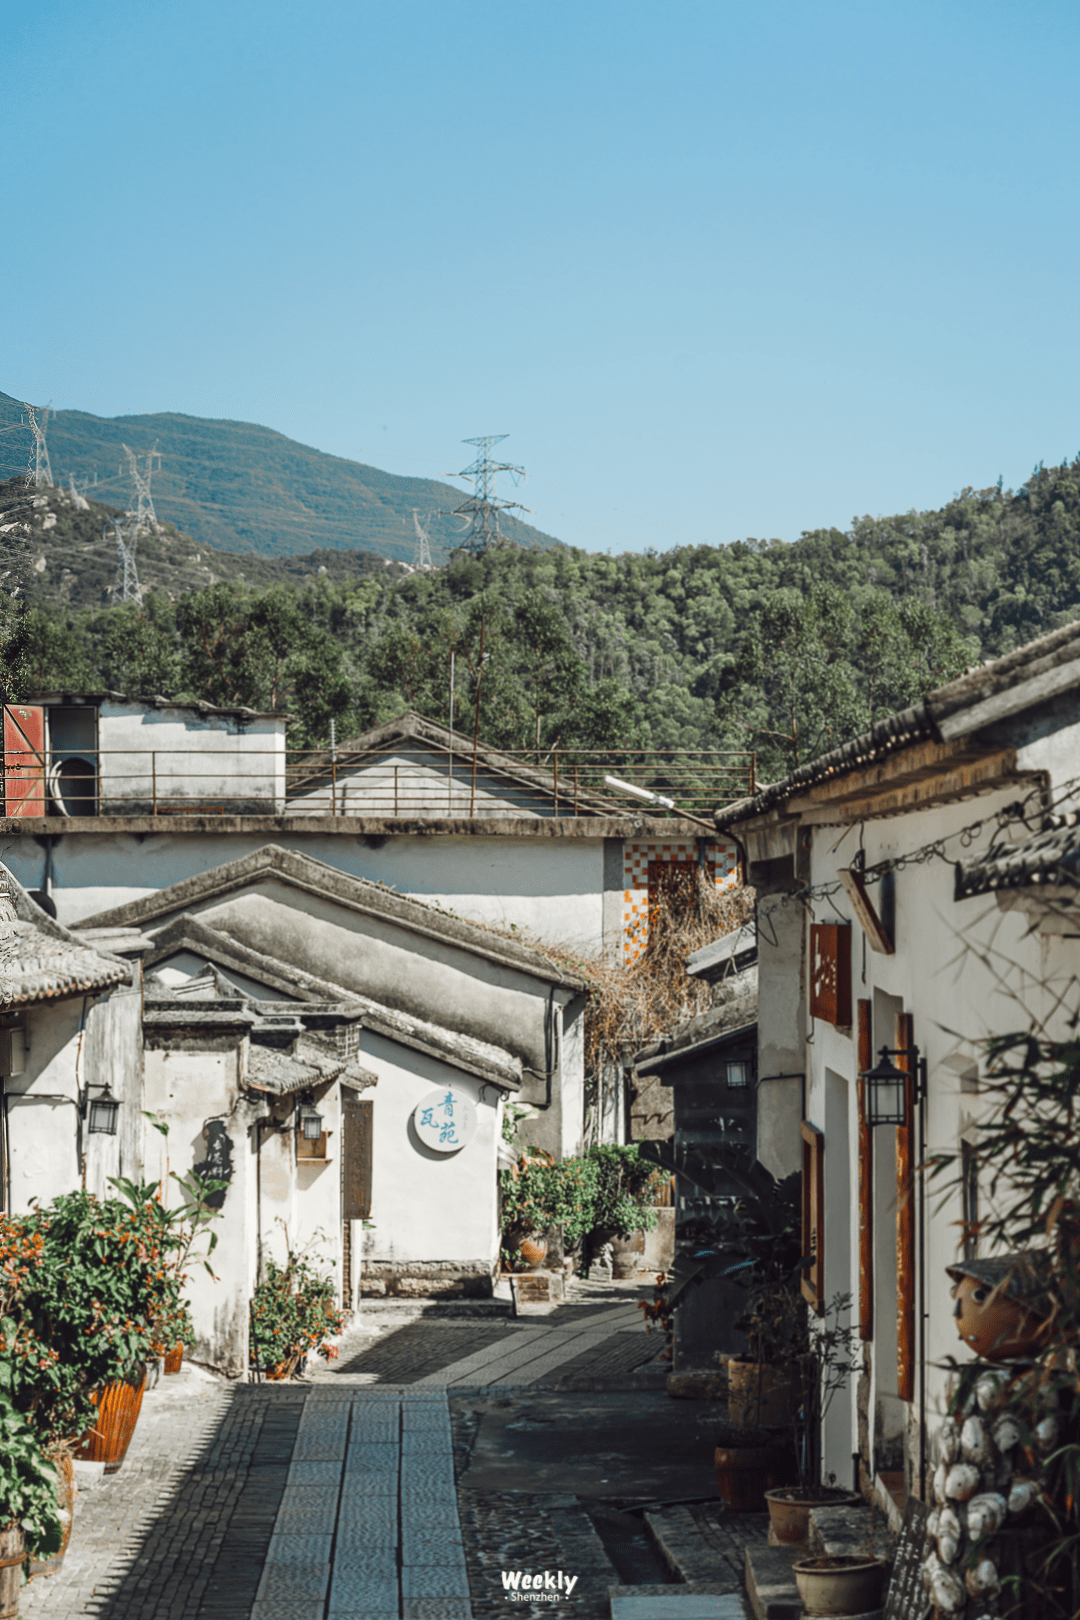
(443, 1458)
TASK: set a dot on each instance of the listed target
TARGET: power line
(481, 509)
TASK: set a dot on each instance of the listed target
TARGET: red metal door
(24, 759)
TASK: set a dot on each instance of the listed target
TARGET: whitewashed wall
(183, 757)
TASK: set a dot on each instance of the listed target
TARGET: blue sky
(717, 269)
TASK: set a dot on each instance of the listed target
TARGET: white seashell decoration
(1023, 1495)
(982, 1581)
(985, 1514)
(948, 1441)
(933, 1521)
(948, 1547)
(947, 1590)
(975, 1442)
(949, 1523)
(1046, 1433)
(961, 1482)
(940, 1475)
(988, 1389)
(1006, 1433)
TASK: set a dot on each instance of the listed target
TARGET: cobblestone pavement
(338, 1498)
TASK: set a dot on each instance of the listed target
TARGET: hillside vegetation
(236, 486)
(785, 648)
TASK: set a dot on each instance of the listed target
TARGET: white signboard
(445, 1120)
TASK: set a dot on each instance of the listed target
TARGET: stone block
(536, 1293)
(87, 1474)
(432, 1581)
(299, 1548)
(697, 1385)
(326, 1475)
(284, 1610)
(674, 1603)
(770, 1583)
(294, 1583)
(437, 1609)
(372, 1484)
(845, 1532)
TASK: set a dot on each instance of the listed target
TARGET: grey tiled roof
(1052, 856)
(39, 960)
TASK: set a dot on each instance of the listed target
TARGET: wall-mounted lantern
(311, 1123)
(101, 1113)
(886, 1085)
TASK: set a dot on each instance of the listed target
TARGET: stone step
(848, 1532)
(770, 1582)
(695, 1600)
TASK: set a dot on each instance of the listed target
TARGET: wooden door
(24, 759)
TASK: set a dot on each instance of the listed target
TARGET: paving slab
(675, 1603)
(770, 1583)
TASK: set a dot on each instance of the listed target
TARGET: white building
(914, 890)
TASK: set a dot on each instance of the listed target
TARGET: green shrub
(292, 1313)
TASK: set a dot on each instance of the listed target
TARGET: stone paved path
(337, 1499)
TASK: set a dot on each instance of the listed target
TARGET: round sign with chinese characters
(445, 1120)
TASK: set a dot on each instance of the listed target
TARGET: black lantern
(310, 1124)
(102, 1114)
(886, 1086)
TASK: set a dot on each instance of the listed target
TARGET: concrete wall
(418, 782)
(72, 1045)
(181, 757)
(554, 889)
(964, 971)
(195, 1086)
(781, 937)
(434, 1215)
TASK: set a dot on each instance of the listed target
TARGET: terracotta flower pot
(745, 1473)
(761, 1394)
(174, 1360)
(835, 1586)
(533, 1251)
(12, 1552)
(64, 1466)
(790, 1506)
(118, 1407)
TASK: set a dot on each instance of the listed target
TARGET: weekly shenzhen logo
(547, 1587)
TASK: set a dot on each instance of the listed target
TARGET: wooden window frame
(829, 969)
(813, 1216)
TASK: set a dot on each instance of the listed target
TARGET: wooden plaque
(813, 1216)
(830, 973)
(356, 1141)
(866, 1178)
(905, 1222)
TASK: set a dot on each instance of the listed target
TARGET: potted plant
(826, 1364)
(293, 1313)
(622, 1185)
(30, 1515)
(841, 1584)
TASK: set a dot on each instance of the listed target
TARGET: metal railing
(409, 780)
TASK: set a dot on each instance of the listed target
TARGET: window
(738, 1072)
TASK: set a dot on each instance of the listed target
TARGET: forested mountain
(786, 648)
(236, 486)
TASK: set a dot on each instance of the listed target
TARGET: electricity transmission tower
(422, 559)
(78, 498)
(38, 471)
(130, 529)
(483, 506)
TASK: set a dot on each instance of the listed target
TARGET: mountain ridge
(242, 487)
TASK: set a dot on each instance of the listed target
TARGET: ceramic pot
(626, 1255)
(789, 1513)
(174, 1360)
(836, 1586)
(65, 1494)
(760, 1394)
(532, 1250)
(118, 1407)
(745, 1473)
(12, 1552)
